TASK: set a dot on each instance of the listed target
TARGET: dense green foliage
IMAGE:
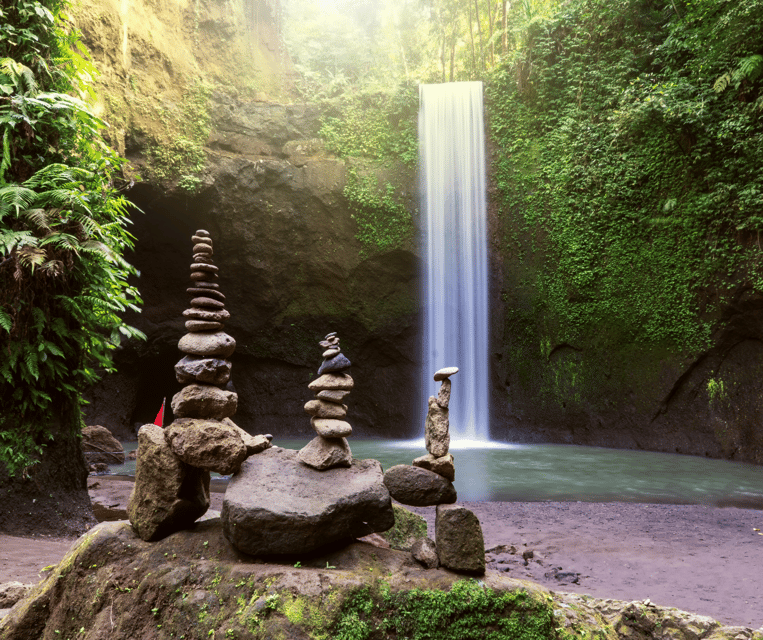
(376, 131)
(469, 610)
(63, 280)
(627, 138)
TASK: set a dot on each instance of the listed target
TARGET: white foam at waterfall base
(452, 163)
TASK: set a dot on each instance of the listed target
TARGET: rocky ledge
(194, 584)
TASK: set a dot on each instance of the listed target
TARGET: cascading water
(452, 162)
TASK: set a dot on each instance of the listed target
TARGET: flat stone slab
(276, 505)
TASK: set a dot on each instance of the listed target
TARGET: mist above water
(452, 164)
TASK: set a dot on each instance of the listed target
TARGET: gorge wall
(201, 101)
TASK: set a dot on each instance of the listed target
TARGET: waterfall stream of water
(452, 165)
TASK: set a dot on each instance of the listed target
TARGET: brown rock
(195, 326)
(168, 495)
(211, 316)
(444, 374)
(443, 395)
(213, 293)
(424, 552)
(326, 453)
(203, 247)
(329, 428)
(460, 545)
(331, 381)
(442, 466)
(206, 444)
(207, 303)
(204, 401)
(99, 445)
(204, 258)
(322, 409)
(205, 266)
(215, 343)
(436, 434)
(203, 275)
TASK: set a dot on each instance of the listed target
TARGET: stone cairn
(173, 465)
(459, 542)
(330, 448)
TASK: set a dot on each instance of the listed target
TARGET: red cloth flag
(159, 420)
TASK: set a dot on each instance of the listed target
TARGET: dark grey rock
(196, 368)
(338, 363)
(213, 293)
(418, 487)
(276, 505)
(458, 534)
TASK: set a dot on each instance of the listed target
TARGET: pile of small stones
(330, 448)
(205, 369)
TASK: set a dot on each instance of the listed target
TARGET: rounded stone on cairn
(445, 373)
(205, 266)
(203, 233)
(197, 238)
(326, 453)
(332, 395)
(206, 292)
(338, 363)
(328, 428)
(418, 487)
(210, 370)
(436, 434)
(204, 401)
(210, 316)
(195, 326)
(460, 544)
(216, 343)
(207, 303)
(206, 444)
(202, 275)
(331, 352)
(206, 285)
(442, 466)
(322, 409)
(332, 381)
(203, 247)
(168, 495)
(204, 258)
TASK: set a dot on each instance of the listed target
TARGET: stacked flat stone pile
(173, 465)
(205, 369)
(330, 448)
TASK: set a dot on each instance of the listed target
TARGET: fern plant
(63, 233)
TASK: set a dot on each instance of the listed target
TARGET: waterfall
(452, 164)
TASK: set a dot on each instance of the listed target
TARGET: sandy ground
(702, 559)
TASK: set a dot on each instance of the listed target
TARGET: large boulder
(458, 535)
(169, 495)
(418, 487)
(276, 505)
(206, 444)
(99, 445)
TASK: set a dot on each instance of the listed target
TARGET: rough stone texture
(445, 373)
(443, 395)
(443, 466)
(275, 505)
(208, 316)
(425, 553)
(216, 343)
(418, 487)
(322, 409)
(204, 401)
(210, 370)
(253, 444)
(339, 362)
(332, 381)
(202, 325)
(326, 453)
(458, 534)
(99, 445)
(168, 495)
(328, 428)
(332, 395)
(436, 429)
(206, 444)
